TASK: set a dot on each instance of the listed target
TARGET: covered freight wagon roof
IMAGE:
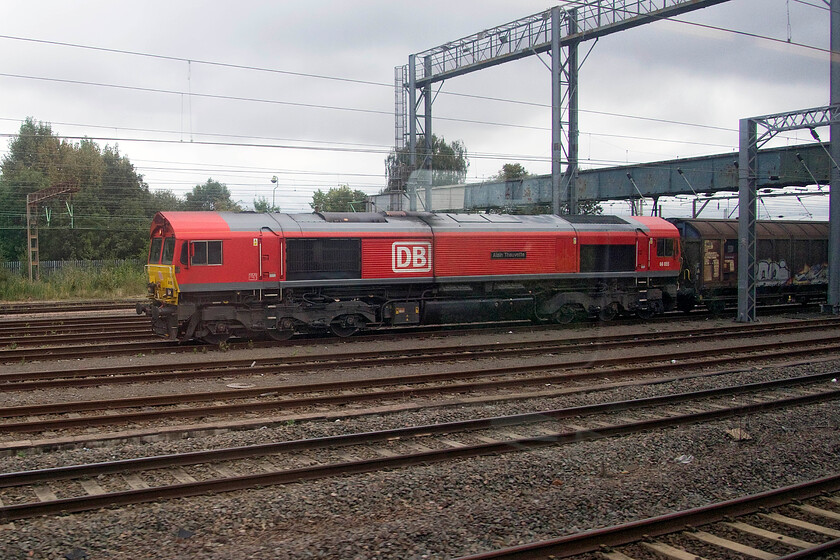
(728, 229)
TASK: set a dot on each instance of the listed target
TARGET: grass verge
(109, 282)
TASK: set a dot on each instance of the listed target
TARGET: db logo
(411, 256)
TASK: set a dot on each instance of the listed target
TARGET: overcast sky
(662, 91)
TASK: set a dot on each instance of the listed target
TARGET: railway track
(9, 354)
(43, 379)
(31, 329)
(491, 383)
(64, 306)
(119, 483)
(765, 526)
(54, 347)
(57, 338)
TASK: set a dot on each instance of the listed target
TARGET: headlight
(169, 292)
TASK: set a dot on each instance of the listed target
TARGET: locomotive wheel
(645, 313)
(608, 312)
(565, 315)
(284, 331)
(658, 307)
(280, 334)
(346, 325)
(215, 338)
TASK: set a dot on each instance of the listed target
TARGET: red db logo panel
(411, 256)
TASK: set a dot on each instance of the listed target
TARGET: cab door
(271, 256)
(643, 242)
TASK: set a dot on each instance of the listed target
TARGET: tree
(110, 213)
(449, 163)
(341, 199)
(164, 200)
(261, 205)
(212, 195)
(511, 172)
(515, 172)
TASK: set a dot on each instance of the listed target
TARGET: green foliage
(511, 172)
(262, 205)
(449, 163)
(341, 199)
(212, 195)
(164, 200)
(122, 280)
(108, 218)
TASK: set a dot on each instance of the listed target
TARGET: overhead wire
(584, 3)
(336, 78)
(157, 90)
(366, 83)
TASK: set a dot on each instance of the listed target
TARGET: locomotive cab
(162, 283)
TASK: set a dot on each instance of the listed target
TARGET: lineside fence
(49, 267)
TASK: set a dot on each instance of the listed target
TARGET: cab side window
(665, 247)
(206, 252)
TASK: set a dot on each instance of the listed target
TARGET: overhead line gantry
(557, 31)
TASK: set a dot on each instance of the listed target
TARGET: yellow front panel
(166, 285)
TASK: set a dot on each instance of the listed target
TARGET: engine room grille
(607, 258)
(323, 259)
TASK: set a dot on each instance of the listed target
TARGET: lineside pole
(427, 131)
(834, 195)
(747, 210)
(411, 187)
(556, 108)
(570, 178)
(32, 239)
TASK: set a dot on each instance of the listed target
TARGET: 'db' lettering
(403, 256)
(411, 256)
(419, 257)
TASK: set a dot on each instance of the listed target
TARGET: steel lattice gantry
(754, 133)
(557, 31)
(750, 141)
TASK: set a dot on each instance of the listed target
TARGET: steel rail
(196, 457)
(163, 346)
(251, 406)
(591, 541)
(89, 351)
(53, 323)
(133, 374)
(20, 511)
(27, 342)
(51, 307)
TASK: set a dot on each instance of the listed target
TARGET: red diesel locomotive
(218, 274)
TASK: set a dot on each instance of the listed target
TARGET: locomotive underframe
(279, 314)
